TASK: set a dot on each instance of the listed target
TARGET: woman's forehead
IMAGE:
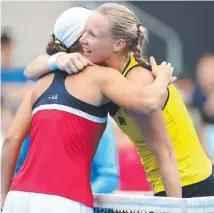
(98, 21)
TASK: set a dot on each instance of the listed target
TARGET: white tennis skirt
(27, 202)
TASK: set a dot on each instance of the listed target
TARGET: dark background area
(193, 21)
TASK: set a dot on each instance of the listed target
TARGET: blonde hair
(125, 25)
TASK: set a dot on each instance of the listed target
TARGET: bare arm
(142, 100)
(17, 133)
(156, 136)
(37, 68)
(70, 63)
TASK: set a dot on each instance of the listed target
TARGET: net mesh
(123, 203)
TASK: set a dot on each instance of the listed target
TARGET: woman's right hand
(72, 62)
(164, 69)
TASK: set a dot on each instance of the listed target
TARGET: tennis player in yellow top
(194, 166)
(113, 35)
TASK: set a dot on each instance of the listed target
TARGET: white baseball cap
(70, 25)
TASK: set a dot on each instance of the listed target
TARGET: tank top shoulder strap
(58, 82)
(59, 77)
(57, 86)
(132, 64)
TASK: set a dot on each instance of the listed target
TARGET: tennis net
(127, 203)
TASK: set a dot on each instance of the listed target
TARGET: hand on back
(72, 62)
(165, 69)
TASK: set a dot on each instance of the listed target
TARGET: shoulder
(41, 85)
(100, 69)
(45, 79)
(97, 72)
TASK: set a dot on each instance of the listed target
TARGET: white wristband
(52, 61)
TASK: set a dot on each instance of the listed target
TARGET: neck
(118, 62)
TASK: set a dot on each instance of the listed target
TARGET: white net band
(124, 202)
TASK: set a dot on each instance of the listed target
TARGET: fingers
(73, 68)
(78, 64)
(172, 68)
(84, 60)
(72, 62)
(75, 62)
(90, 63)
(169, 65)
(173, 79)
(164, 63)
(153, 62)
(68, 70)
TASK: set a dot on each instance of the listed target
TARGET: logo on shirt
(122, 121)
(53, 97)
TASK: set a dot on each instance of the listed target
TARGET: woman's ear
(120, 45)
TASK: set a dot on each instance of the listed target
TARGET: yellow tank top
(194, 165)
